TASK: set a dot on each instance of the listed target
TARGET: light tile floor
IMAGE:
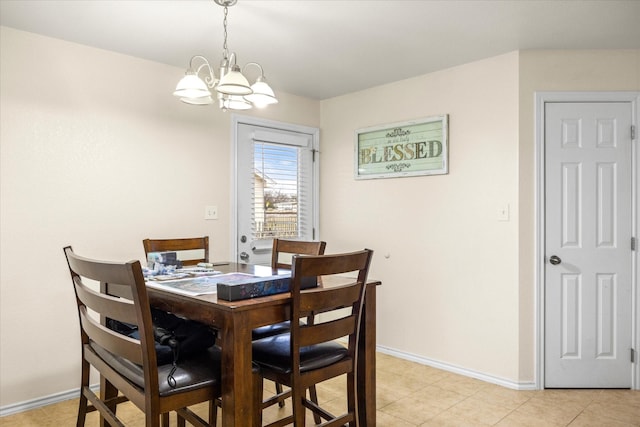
(410, 394)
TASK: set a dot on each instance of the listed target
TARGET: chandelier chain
(224, 24)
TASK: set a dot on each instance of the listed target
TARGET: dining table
(234, 321)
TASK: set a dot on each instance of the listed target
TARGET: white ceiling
(324, 48)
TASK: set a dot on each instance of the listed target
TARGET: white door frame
(540, 99)
(236, 120)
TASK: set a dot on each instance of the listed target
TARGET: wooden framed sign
(417, 147)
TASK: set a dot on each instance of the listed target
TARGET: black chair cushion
(274, 353)
(198, 371)
(270, 330)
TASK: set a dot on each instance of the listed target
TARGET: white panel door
(588, 254)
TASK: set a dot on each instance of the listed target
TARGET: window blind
(281, 187)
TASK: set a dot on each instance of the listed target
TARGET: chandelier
(232, 89)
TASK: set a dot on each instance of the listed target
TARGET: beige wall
(449, 268)
(96, 153)
(94, 150)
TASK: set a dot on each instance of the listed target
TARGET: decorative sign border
(413, 148)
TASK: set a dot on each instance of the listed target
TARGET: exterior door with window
(276, 187)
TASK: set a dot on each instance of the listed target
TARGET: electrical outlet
(210, 212)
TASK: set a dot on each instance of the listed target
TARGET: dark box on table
(234, 290)
(239, 289)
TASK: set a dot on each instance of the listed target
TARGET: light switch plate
(210, 212)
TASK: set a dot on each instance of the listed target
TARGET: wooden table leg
(236, 372)
(367, 361)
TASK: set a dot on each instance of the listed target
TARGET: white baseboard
(43, 401)
(529, 385)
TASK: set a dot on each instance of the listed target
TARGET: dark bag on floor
(175, 337)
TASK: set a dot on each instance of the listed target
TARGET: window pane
(276, 188)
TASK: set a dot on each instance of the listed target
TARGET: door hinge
(633, 243)
(633, 132)
(313, 155)
(313, 234)
(633, 356)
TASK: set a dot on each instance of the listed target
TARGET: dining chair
(281, 254)
(310, 353)
(128, 366)
(200, 244)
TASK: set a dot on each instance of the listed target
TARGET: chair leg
(279, 391)
(82, 409)
(213, 412)
(258, 395)
(299, 410)
(181, 422)
(351, 397)
(83, 403)
(313, 393)
(165, 420)
(313, 396)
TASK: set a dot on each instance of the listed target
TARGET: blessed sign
(402, 149)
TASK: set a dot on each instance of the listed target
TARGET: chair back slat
(293, 247)
(179, 245)
(100, 271)
(318, 300)
(327, 331)
(334, 264)
(110, 306)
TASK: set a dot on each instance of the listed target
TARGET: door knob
(555, 260)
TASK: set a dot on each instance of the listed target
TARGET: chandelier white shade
(234, 83)
(191, 86)
(232, 90)
(262, 94)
